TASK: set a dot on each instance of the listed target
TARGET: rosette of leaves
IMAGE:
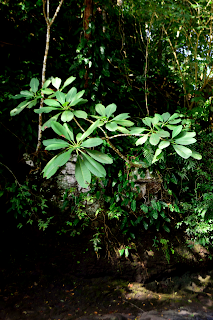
(88, 161)
(118, 123)
(31, 97)
(165, 130)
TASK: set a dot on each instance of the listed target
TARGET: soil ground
(44, 276)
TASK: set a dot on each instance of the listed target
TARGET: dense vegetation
(148, 58)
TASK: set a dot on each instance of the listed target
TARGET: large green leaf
(60, 96)
(93, 168)
(121, 116)
(82, 173)
(100, 109)
(163, 144)
(56, 82)
(80, 114)
(71, 94)
(182, 151)
(175, 121)
(32, 103)
(66, 116)
(47, 142)
(47, 124)
(110, 109)
(45, 109)
(137, 130)
(157, 118)
(68, 81)
(147, 121)
(122, 129)
(100, 157)
(165, 116)
(100, 170)
(163, 133)
(34, 83)
(46, 84)
(19, 108)
(52, 103)
(77, 102)
(92, 142)
(58, 145)
(69, 131)
(77, 97)
(27, 94)
(174, 116)
(176, 131)
(142, 139)
(90, 129)
(154, 139)
(47, 91)
(60, 130)
(125, 123)
(111, 126)
(56, 162)
(185, 140)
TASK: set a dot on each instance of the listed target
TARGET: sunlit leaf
(19, 108)
(100, 157)
(121, 116)
(52, 103)
(71, 94)
(100, 109)
(122, 129)
(66, 116)
(163, 144)
(176, 131)
(45, 109)
(60, 96)
(56, 82)
(196, 155)
(80, 114)
(137, 130)
(68, 81)
(60, 130)
(125, 123)
(46, 84)
(157, 153)
(142, 139)
(92, 142)
(47, 124)
(182, 151)
(165, 116)
(69, 131)
(34, 83)
(110, 109)
(147, 121)
(154, 139)
(111, 126)
(56, 162)
(90, 129)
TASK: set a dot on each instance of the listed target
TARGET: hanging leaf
(69, 131)
(60, 130)
(110, 109)
(176, 131)
(19, 108)
(45, 109)
(90, 129)
(196, 155)
(71, 94)
(47, 124)
(92, 142)
(93, 168)
(52, 103)
(100, 109)
(34, 83)
(99, 156)
(68, 81)
(56, 82)
(154, 139)
(82, 173)
(111, 126)
(32, 104)
(60, 96)
(182, 151)
(80, 114)
(66, 116)
(163, 144)
(56, 162)
(125, 123)
(121, 116)
(142, 139)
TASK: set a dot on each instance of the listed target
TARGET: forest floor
(47, 277)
